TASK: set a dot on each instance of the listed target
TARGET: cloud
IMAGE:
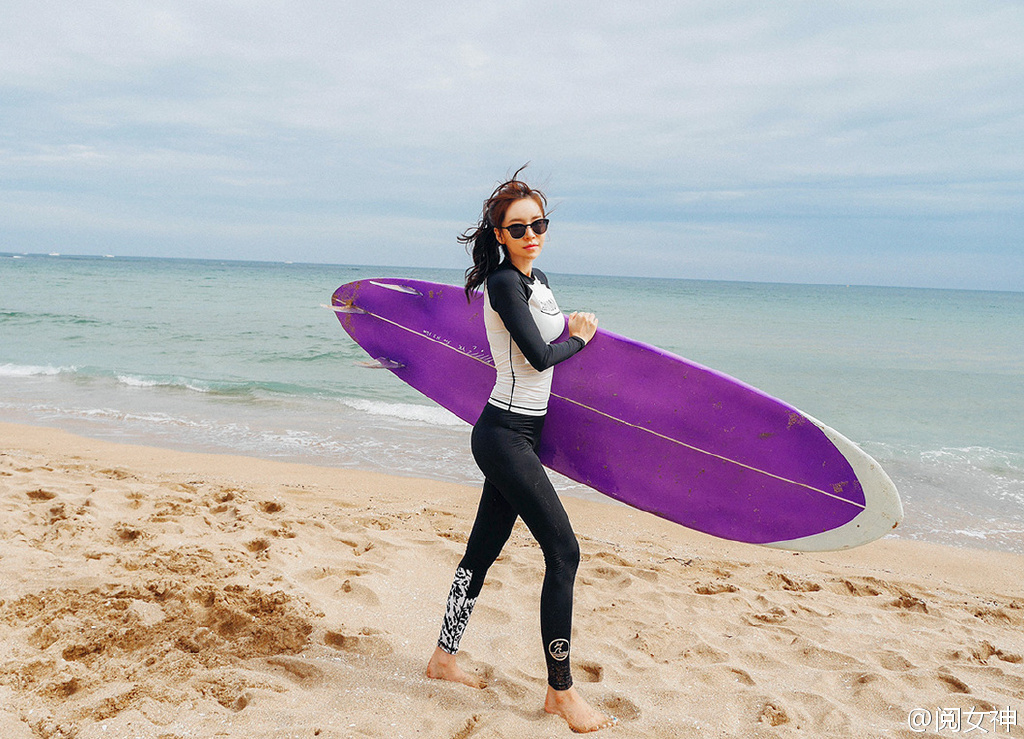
(797, 123)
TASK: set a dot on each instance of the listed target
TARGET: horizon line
(225, 260)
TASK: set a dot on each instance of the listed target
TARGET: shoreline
(916, 530)
(152, 592)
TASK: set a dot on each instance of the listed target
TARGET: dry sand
(152, 593)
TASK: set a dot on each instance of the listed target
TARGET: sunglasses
(518, 230)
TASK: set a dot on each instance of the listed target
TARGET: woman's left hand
(583, 325)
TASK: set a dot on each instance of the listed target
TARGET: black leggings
(505, 447)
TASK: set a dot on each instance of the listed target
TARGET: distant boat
(54, 254)
(108, 256)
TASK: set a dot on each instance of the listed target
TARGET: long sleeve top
(522, 321)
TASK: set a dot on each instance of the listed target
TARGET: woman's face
(522, 251)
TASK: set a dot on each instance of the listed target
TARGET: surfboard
(642, 425)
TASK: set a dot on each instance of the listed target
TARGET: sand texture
(158, 594)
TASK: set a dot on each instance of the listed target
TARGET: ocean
(244, 358)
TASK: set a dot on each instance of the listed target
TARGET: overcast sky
(830, 142)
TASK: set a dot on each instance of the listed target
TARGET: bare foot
(442, 666)
(579, 714)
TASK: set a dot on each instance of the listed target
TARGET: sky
(854, 142)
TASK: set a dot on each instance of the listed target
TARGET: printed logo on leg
(559, 649)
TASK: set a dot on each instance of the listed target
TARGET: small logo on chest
(548, 306)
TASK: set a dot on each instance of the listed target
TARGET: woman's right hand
(583, 325)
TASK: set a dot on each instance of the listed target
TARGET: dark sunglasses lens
(518, 230)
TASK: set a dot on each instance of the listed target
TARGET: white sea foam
(30, 370)
(987, 533)
(137, 381)
(977, 456)
(176, 382)
(1001, 472)
(112, 415)
(431, 415)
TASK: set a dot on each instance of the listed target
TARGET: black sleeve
(511, 302)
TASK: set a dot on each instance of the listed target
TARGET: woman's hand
(583, 325)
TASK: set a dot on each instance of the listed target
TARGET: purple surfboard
(642, 425)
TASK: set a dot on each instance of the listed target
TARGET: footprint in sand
(909, 602)
(705, 654)
(258, 546)
(300, 670)
(865, 587)
(794, 584)
(995, 616)
(41, 494)
(126, 533)
(368, 642)
(953, 684)
(359, 548)
(772, 714)
(725, 677)
(894, 662)
(622, 708)
(491, 615)
(986, 651)
(773, 615)
(359, 593)
(468, 728)
(590, 672)
(714, 588)
(811, 655)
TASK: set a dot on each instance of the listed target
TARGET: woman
(522, 321)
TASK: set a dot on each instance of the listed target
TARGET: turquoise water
(243, 358)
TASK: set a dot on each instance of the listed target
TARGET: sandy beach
(154, 593)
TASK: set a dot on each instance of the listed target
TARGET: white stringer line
(424, 336)
(632, 425)
(710, 454)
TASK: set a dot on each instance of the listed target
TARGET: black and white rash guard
(522, 319)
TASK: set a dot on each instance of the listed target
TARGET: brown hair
(486, 250)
